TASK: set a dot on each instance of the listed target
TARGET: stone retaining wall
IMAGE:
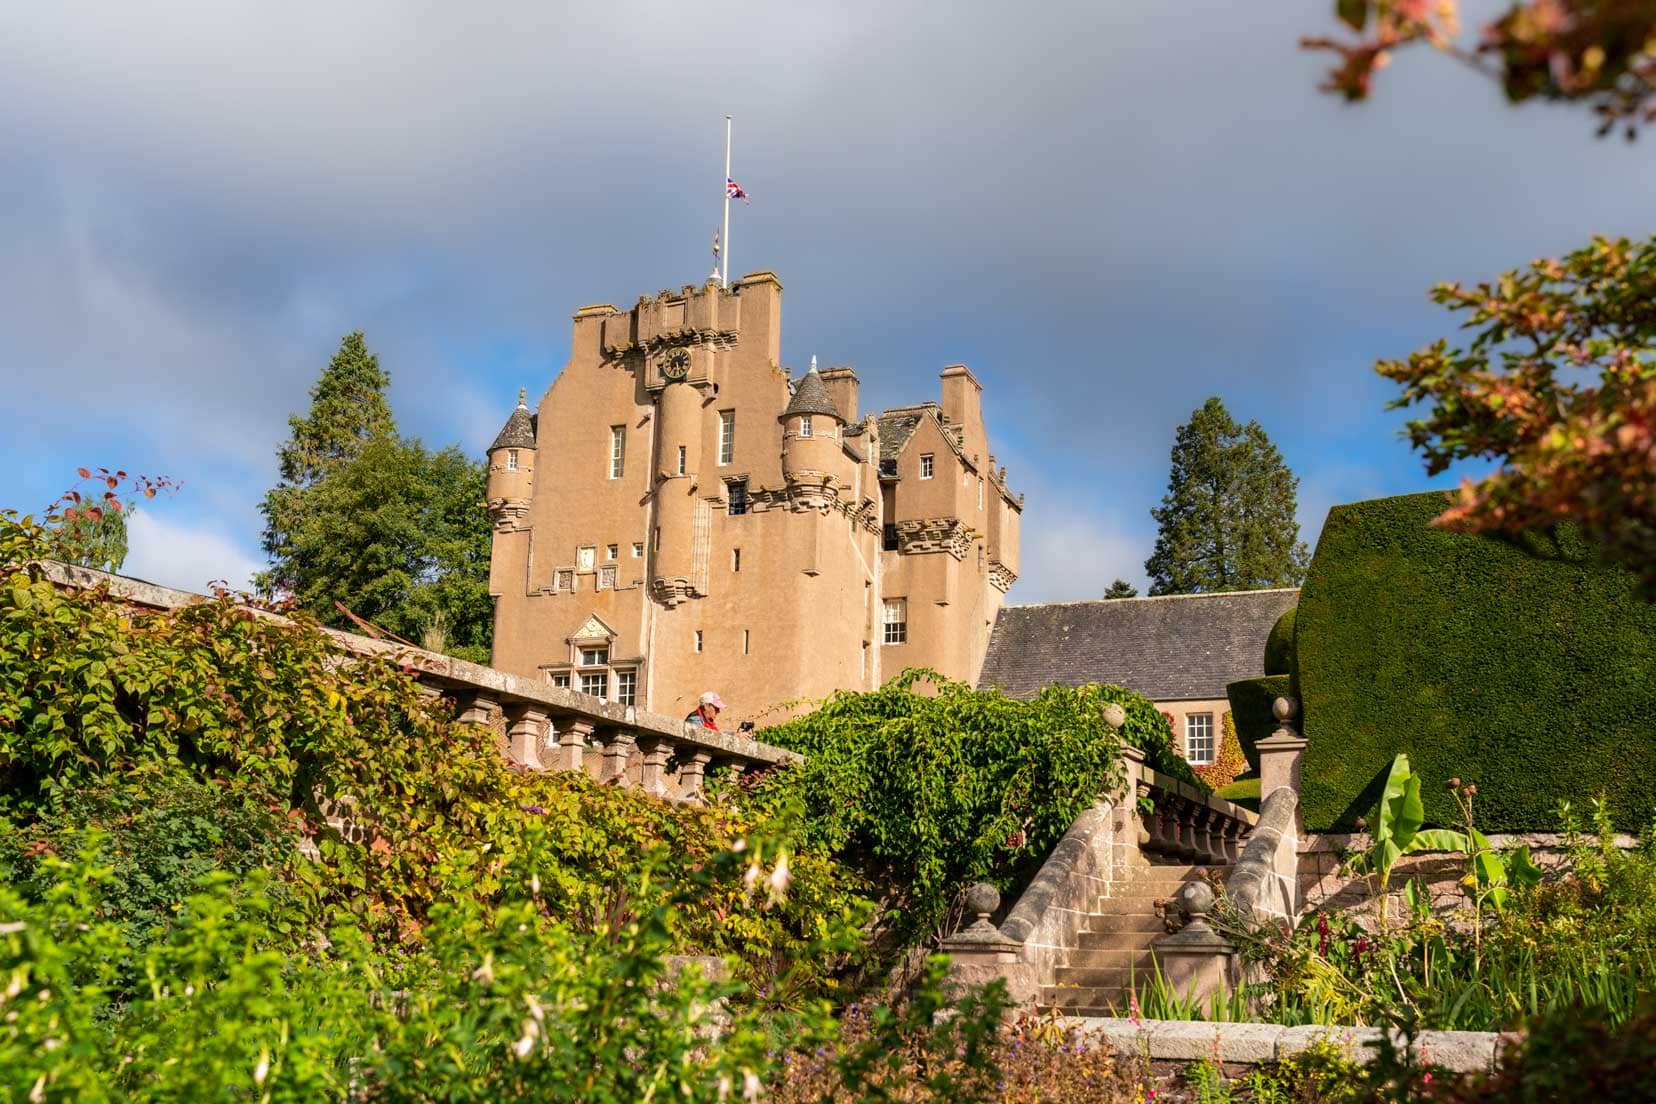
(1256, 1043)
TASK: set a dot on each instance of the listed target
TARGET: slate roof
(811, 397)
(519, 430)
(895, 431)
(1185, 646)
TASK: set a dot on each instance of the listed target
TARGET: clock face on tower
(676, 364)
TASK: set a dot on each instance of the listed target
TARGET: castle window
(735, 559)
(618, 451)
(737, 489)
(511, 460)
(895, 620)
(594, 657)
(888, 538)
(1199, 738)
(727, 436)
(612, 551)
(744, 642)
(927, 465)
(560, 679)
(626, 687)
(804, 425)
(595, 683)
(698, 640)
(681, 459)
(638, 549)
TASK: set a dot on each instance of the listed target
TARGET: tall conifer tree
(1228, 519)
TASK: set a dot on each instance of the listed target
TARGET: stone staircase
(1114, 945)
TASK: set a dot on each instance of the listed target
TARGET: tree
(1601, 52)
(395, 533)
(1227, 520)
(348, 411)
(1521, 394)
(1121, 588)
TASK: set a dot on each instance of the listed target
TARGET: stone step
(1124, 906)
(1126, 966)
(1113, 925)
(1115, 956)
(1117, 941)
(1099, 1001)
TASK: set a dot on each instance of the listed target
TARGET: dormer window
(804, 425)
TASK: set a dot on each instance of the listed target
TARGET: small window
(980, 492)
(681, 459)
(595, 683)
(594, 657)
(888, 538)
(638, 550)
(895, 620)
(618, 451)
(745, 642)
(737, 489)
(563, 580)
(560, 679)
(727, 436)
(1199, 738)
(511, 460)
(612, 552)
(735, 559)
(804, 425)
(626, 687)
(698, 640)
(586, 558)
(606, 577)
(658, 538)
(928, 465)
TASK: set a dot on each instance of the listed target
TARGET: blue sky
(1109, 211)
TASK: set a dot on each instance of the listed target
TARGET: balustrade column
(1233, 830)
(526, 733)
(617, 750)
(1185, 826)
(693, 775)
(476, 707)
(656, 753)
(572, 739)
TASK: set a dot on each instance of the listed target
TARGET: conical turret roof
(811, 397)
(519, 430)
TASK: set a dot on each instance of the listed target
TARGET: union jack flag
(734, 190)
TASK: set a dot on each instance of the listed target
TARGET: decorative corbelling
(1001, 577)
(672, 591)
(929, 535)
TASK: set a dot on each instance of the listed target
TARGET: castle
(679, 515)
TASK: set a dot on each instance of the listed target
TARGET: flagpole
(724, 279)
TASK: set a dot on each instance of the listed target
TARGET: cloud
(1074, 557)
(183, 555)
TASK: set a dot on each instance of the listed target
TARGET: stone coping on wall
(1167, 784)
(1259, 1043)
(1330, 842)
(457, 674)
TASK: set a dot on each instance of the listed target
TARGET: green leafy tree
(1121, 588)
(1227, 521)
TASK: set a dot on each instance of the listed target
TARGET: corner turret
(811, 428)
(512, 465)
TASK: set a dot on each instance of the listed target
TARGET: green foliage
(932, 792)
(1227, 521)
(1279, 646)
(1121, 588)
(1228, 760)
(363, 518)
(1525, 669)
(1250, 707)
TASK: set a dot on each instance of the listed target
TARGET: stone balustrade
(536, 724)
(1184, 824)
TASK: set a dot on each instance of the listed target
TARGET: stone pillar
(617, 750)
(693, 775)
(475, 707)
(525, 733)
(1282, 752)
(572, 738)
(656, 753)
(1196, 960)
(979, 953)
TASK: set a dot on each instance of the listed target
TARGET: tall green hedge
(1250, 704)
(1525, 667)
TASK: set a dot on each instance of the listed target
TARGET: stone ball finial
(1195, 898)
(1115, 716)
(982, 900)
(1285, 709)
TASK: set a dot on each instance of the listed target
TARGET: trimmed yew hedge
(1250, 702)
(1526, 667)
(1279, 646)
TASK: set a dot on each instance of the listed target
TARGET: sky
(1110, 211)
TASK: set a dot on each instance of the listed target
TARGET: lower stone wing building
(1180, 651)
(679, 514)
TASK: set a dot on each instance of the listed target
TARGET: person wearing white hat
(707, 712)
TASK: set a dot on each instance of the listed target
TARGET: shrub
(1524, 667)
(1279, 646)
(929, 793)
(1250, 707)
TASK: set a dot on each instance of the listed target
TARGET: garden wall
(1525, 668)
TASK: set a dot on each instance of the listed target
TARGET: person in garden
(707, 710)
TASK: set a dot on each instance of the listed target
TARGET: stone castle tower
(679, 516)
